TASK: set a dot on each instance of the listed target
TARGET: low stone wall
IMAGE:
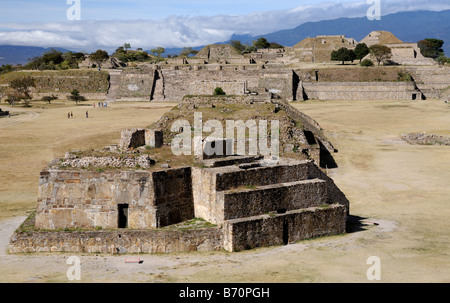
(362, 91)
(63, 96)
(120, 241)
(107, 162)
(425, 139)
(279, 229)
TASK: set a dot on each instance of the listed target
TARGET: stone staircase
(269, 202)
(431, 80)
(114, 84)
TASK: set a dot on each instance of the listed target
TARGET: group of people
(70, 115)
(101, 104)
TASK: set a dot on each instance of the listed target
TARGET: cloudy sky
(108, 24)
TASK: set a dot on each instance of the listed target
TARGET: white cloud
(180, 31)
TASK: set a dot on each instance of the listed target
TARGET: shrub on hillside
(218, 91)
(367, 62)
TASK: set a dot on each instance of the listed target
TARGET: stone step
(253, 201)
(262, 173)
(279, 229)
(214, 185)
(114, 80)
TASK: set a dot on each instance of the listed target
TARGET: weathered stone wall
(274, 197)
(210, 182)
(203, 190)
(90, 199)
(133, 138)
(361, 90)
(143, 161)
(120, 241)
(172, 83)
(279, 229)
(135, 86)
(63, 96)
(173, 196)
(431, 81)
(426, 139)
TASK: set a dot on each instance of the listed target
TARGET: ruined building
(128, 198)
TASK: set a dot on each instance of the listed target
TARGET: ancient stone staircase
(266, 202)
(114, 83)
(431, 80)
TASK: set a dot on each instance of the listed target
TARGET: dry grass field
(399, 193)
(39, 134)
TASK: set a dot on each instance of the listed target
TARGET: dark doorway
(414, 96)
(123, 215)
(285, 232)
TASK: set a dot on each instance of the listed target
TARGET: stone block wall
(88, 199)
(274, 197)
(123, 241)
(215, 187)
(135, 86)
(134, 138)
(279, 229)
(173, 196)
(361, 90)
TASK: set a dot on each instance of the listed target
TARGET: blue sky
(55, 10)
(108, 24)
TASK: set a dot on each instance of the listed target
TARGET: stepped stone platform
(248, 203)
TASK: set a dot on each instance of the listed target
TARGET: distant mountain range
(12, 54)
(407, 26)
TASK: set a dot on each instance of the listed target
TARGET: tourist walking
(87, 114)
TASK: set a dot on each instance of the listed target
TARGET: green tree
(126, 46)
(22, 87)
(431, 48)
(218, 91)
(188, 51)
(158, 51)
(274, 45)
(443, 60)
(99, 56)
(366, 62)
(6, 69)
(249, 49)
(75, 96)
(361, 50)
(261, 43)
(343, 54)
(49, 99)
(380, 52)
(237, 45)
(54, 56)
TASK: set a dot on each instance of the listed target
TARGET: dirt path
(24, 116)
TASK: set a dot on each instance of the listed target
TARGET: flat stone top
(259, 164)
